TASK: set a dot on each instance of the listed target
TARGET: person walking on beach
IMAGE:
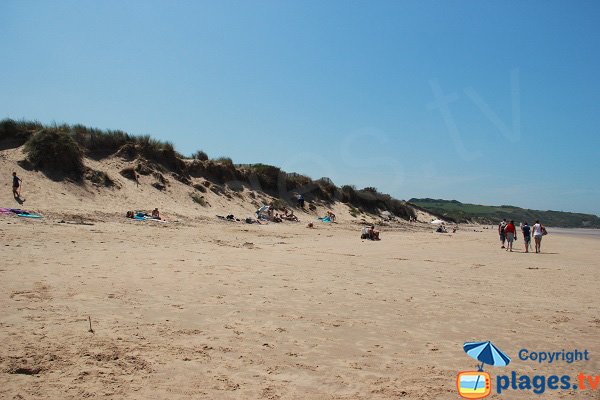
(15, 186)
(538, 231)
(501, 232)
(526, 231)
(511, 234)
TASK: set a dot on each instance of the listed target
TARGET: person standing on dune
(16, 184)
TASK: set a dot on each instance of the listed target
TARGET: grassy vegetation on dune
(456, 211)
(56, 153)
(75, 141)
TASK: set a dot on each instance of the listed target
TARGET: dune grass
(61, 148)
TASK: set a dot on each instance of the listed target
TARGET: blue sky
(491, 102)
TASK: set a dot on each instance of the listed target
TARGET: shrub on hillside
(200, 155)
(16, 133)
(56, 152)
(100, 143)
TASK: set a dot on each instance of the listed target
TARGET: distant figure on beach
(155, 214)
(15, 186)
(526, 231)
(538, 232)
(373, 234)
(510, 231)
(300, 200)
(289, 215)
(501, 227)
(331, 216)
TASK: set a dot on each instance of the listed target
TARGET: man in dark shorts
(501, 232)
(16, 185)
(526, 229)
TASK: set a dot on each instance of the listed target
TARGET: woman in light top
(538, 230)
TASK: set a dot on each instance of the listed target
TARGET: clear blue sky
(492, 102)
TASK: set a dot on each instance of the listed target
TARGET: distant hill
(455, 211)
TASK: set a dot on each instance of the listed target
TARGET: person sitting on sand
(155, 214)
(331, 216)
(130, 214)
(289, 215)
(373, 234)
(364, 233)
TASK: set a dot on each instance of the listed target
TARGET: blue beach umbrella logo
(477, 384)
(486, 353)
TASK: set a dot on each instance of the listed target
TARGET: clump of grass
(54, 150)
(99, 178)
(129, 173)
(217, 189)
(200, 155)
(16, 133)
(224, 160)
(200, 188)
(159, 186)
(279, 204)
(199, 200)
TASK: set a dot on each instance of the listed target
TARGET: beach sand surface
(216, 310)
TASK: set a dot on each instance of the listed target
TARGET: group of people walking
(508, 234)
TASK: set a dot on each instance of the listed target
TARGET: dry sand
(223, 311)
(205, 309)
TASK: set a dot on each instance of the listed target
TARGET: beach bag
(544, 231)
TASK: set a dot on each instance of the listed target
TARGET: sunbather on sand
(155, 214)
(331, 216)
(289, 215)
(373, 234)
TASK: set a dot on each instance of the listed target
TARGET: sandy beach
(217, 310)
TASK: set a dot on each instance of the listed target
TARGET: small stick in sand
(90, 321)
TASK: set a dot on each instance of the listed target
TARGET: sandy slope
(207, 309)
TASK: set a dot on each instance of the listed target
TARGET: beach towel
(145, 218)
(18, 212)
(325, 219)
